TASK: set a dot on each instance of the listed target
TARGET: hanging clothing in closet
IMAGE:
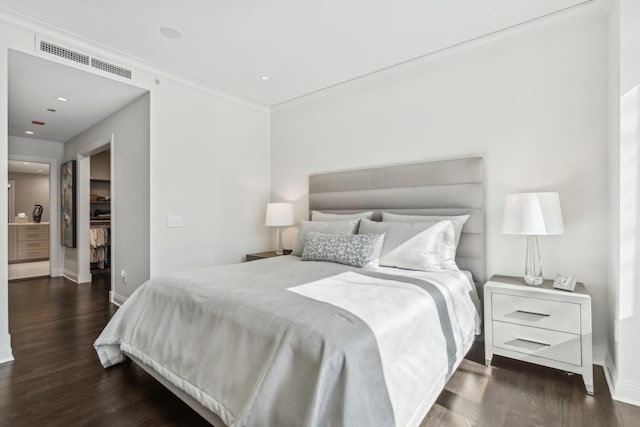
(99, 239)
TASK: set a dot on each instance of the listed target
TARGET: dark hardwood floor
(56, 379)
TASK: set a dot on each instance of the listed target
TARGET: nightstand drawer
(541, 313)
(538, 342)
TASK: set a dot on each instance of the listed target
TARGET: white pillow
(415, 246)
(331, 227)
(457, 221)
(321, 216)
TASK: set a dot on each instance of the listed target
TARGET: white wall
(623, 371)
(209, 162)
(532, 102)
(32, 147)
(130, 191)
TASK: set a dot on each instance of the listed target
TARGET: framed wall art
(68, 211)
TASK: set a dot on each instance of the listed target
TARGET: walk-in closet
(100, 213)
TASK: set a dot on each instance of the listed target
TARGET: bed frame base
(190, 401)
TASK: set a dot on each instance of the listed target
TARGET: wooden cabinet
(539, 324)
(13, 243)
(28, 242)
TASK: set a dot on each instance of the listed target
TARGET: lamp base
(533, 265)
(533, 280)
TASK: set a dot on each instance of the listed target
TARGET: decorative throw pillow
(333, 227)
(359, 250)
(457, 221)
(415, 246)
(321, 216)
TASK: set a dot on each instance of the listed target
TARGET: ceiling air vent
(110, 68)
(81, 58)
(63, 52)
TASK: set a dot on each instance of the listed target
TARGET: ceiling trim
(73, 40)
(557, 16)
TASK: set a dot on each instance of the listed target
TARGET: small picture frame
(565, 281)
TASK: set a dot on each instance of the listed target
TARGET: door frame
(83, 205)
(56, 257)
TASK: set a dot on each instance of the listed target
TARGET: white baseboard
(621, 390)
(57, 272)
(71, 275)
(116, 299)
(5, 353)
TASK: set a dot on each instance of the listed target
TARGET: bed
(284, 341)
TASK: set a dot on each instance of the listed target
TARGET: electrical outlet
(123, 274)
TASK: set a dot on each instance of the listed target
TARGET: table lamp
(279, 215)
(533, 215)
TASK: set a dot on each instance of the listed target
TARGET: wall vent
(63, 52)
(110, 68)
(84, 59)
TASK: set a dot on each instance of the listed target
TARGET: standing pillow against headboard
(415, 246)
(359, 250)
(331, 227)
(321, 216)
(457, 221)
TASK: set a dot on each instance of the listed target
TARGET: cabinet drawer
(32, 244)
(24, 254)
(37, 232)
(544, 343)
(541, 313)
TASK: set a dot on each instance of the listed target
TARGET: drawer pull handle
(533, 312)
(544, 344)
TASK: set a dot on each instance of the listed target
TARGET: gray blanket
(254, 353)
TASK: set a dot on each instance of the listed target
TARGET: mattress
(284, 342)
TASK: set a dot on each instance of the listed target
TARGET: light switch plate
(174, 220)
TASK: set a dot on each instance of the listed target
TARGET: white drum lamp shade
(279, 215)
(532, 214)
(536, 214)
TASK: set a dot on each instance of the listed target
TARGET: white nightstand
(539, 324)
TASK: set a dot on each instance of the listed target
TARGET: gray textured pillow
(457, 221)
(359, 250)
(321, 216)
(415, 246)
(333, 227)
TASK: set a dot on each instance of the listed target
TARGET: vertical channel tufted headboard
(448, 187)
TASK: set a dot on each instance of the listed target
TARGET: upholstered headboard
(449, 187)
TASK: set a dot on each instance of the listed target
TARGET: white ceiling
(28, 167)
(34, 84)
(303, 46)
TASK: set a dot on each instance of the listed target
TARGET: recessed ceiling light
(40, 170)
(25, 163)
(28, 132)
(52, 110)
(265, 78)
(170, 32)
(59, 98)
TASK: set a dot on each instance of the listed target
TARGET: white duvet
(405, 322)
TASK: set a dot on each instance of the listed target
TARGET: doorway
(72, 115)
(29, 216)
